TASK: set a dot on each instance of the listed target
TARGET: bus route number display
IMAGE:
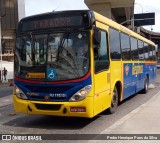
(52, 23)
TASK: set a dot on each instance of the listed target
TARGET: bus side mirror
(96, 37)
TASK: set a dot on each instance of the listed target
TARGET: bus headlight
(19, 93)
(81, 94)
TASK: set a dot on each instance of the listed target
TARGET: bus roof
(51, 13)
(94, 16)
(120, 28)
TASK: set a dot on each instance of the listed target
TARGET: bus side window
(140, 50)
(114, 42)
(150, 52)
(125, 47)
(101, 56)
(134, 48)
(154, 53)
(146, 51)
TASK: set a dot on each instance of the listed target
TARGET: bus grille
(48, 89)
(52, 107)
(50, 99)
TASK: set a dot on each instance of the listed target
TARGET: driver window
(101, 54)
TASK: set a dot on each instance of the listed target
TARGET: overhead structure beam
(118, 11)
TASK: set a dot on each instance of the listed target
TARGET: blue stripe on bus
(134, 76)
(52, 89)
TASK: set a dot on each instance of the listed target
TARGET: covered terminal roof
(121, 11)
(118, 10)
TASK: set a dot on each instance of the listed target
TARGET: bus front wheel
(114, 102)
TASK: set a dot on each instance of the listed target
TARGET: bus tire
(114, 103)
(146, 84)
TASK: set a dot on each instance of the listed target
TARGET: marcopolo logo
(47, 98)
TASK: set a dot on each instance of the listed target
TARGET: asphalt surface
(6, 90)
(50, 124)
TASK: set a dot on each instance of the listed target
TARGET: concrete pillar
(100, 6)
(21, 9)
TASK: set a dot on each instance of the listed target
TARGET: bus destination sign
(49, 23)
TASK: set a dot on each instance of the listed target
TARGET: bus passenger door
(101, 75)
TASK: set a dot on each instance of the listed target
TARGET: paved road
(48, 124)
(6, 90)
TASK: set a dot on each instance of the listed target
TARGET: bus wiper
(32, 47)
(61, 47)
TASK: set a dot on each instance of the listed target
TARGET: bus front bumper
(76, 109)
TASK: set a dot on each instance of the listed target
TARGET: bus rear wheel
(146, 84)
(114, 103)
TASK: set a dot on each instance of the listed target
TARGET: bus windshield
(52, 57)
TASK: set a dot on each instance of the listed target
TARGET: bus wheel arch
(147, 76)
(118, 85)
(115, 97)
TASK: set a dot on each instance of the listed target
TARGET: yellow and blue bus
(78, 63)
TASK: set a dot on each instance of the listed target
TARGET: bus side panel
(145, 71)
(140, 74)
(134, 77)
(150, 70)
(116, 75)
(102, 97)
(129, 83)
(154, 72)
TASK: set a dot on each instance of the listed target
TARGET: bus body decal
(56, 92)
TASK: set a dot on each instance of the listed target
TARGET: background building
(11, 12)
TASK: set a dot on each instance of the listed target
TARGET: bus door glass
(102, 73)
